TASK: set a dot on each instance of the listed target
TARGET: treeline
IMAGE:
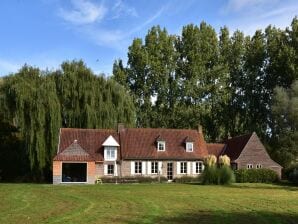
(229, 83)
(35, 104)
(224, 81)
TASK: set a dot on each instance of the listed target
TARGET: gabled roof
(140, 143)
(159, 139)
(90, 140)
(188, 139)
(235, 145)
(74, 152)
(110, 141)
(215, 148)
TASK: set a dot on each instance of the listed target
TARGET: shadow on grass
(221, 217)
(264, 186)
(280, 185)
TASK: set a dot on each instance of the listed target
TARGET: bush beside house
(222, 174)
(256, 176)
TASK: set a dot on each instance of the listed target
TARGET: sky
(44, 33)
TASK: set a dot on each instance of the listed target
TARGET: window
(138, 167)
(183, 167)
(199, 167)
(110, 153)
(110, 169)
(154, 167)
(161, 146)
(249, 166)
(259, 166)
(189, 146)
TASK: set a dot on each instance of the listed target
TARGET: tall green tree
(285, 110)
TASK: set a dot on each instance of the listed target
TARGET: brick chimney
(200, 129)
(120, 127)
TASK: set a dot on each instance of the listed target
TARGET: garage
(74, 172)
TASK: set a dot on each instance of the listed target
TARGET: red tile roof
(215, 149)
(89, 140)
(135, 143)
(235, 145)
(140, 143)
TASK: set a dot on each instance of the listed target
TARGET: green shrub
(135, 179)
(226, 175)
(293, 176)
(210, 175)
(218, 175)
(256, 176)
(186, 179)
(291, 173)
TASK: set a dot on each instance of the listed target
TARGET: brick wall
(126, 169)
(57, 169)
(91, 172)
(255, 153)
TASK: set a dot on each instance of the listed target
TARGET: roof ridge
(168, 129)
(240, 136)
(89, 129)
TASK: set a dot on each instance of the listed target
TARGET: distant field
(148, 203)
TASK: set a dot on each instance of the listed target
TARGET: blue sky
(44, 33)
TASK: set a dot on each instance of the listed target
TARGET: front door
(170, 171)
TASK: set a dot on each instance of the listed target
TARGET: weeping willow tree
(39, 103)
(31, 104)
(89, 101)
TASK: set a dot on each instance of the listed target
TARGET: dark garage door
(74, 172)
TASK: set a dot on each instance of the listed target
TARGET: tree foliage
(223, 81)
(39, 103)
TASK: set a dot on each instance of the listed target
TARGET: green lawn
(148, 203)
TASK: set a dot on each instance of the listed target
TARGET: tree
(285, 110)
(39, 103)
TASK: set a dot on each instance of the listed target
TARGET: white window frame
(199, 167)
(108, 153)
(259, 166)
(183, 167)
(161, 146)
(113, 169)
(138, 167)
(249, 166)
(187, 146)
(154, 167)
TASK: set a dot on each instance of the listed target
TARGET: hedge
(256, 176)
(186, 179)
(291, 173)
(136, 179)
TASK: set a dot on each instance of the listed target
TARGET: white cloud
(239, 5)
(120, 9)
(248, 16)
(83, 12)
(115, 38)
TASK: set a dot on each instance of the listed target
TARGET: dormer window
(189, 146)
(110, 149)
(161, 146)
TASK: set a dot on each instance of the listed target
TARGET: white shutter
(132, 167)
(105, 153)
(160, 167)
(188, 167)
(143, 167)
(116, 169)
(194, 167)
(178, 167)
(105, 169)
(149, 167)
